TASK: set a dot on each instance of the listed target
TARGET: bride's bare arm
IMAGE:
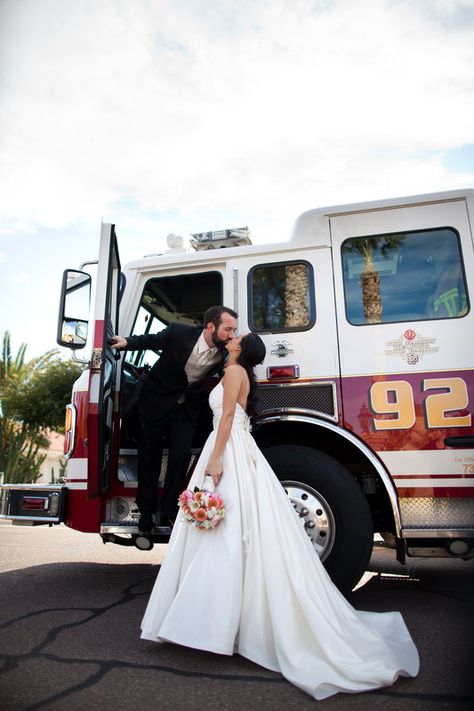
(232, 384)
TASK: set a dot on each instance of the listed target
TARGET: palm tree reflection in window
(366, 256)
(280, 297)
(404, 277)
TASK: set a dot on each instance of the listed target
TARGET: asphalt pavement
(69, 634)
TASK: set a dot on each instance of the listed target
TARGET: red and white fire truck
(367, 389)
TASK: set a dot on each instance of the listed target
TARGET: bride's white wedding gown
(256, 586)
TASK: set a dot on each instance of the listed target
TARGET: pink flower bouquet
(201, 508)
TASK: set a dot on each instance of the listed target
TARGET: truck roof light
(221, 238)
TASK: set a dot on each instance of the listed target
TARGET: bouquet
(201, 508)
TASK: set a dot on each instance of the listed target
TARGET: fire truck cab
(366, 392)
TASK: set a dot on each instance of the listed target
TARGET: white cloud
(3, 257)
(259, 108)
(19, 278)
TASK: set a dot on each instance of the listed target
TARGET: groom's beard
(219, 343)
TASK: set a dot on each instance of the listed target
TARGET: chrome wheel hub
(315, 515)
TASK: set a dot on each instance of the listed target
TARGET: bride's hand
(215, 469)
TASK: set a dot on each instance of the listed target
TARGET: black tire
(325, 483)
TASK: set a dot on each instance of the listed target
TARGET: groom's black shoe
(145, 524)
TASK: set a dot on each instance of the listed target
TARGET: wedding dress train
(256, 586)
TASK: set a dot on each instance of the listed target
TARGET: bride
(244, 587)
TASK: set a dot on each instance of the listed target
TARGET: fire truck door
(404, 316)
(303, 336)
(103, 406)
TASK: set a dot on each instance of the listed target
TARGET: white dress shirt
(200, 361)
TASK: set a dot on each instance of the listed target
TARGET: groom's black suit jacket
(167, 379)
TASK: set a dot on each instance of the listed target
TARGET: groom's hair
(214, 315)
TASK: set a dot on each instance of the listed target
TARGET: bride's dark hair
(251, 354)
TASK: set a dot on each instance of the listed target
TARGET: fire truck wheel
(332, 508)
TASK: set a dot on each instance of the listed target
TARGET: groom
(170, 402)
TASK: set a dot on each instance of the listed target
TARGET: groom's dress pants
(178, 429)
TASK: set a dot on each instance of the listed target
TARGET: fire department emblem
(281, 349)
(411, 346)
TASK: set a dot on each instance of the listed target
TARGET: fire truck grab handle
(110, 343)
(462, 441)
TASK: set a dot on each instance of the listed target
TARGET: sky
(178, 116)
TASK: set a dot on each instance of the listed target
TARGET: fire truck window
(410, 276)
(181, 298)
(281, 297)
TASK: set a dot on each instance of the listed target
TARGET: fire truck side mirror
(73, 321)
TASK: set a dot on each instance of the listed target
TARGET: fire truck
(366, 392)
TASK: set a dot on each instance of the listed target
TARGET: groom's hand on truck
(117, 342)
